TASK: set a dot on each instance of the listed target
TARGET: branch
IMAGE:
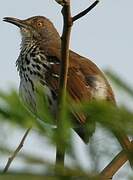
(61, 2)
(60, 149)
(68, 22)
(16, 151)
(65, 40)
(83, 13)
(110, 170)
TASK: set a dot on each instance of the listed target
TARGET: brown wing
(82, 77)
(91, 74)
(84, 72)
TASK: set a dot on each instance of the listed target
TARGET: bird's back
(85, 80)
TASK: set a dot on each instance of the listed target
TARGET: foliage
(110, 117)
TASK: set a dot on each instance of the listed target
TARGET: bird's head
(37, 27)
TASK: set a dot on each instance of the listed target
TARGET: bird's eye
(39, 24)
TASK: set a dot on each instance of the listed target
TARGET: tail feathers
(85, 132)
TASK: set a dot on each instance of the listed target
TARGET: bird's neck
(26, 43)
(44, 43)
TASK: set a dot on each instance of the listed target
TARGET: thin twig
(110, 170)
(83, 13)
(61, 2)
(16, 151)
(120, 159)
(65, 40)
(66, 12)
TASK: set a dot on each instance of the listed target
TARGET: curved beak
(15, 21)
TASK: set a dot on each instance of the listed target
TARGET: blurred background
(104, 36)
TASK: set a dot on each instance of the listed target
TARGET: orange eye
(39, 24)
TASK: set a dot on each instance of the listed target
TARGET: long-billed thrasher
(39, 62)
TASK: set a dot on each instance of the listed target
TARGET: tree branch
(16, 151)
(83, 13)
(65, 40)
(60, 149)
(110, 170)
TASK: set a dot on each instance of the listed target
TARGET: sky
(104, 35)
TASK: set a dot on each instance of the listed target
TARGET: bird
(39, 62)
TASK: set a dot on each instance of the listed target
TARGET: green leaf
(119, 82)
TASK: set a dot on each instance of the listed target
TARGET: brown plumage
(39, 61)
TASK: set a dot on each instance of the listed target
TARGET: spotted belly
(28, 93)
